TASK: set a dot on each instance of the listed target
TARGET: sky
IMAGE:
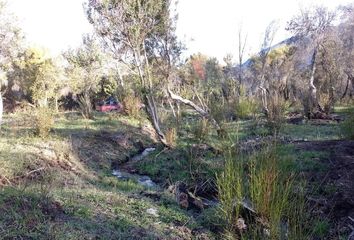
(206, 26)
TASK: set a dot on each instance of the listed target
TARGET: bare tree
(265, 50)
(346, 34)
(310, 26)
(242, 43)
(138, 33)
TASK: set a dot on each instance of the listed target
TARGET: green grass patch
(311, 132)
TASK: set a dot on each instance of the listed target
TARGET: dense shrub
(44, 121)
(132, 106)
(276, 113)
(201, 129)
(85, 106)
(171, 137)
(260, 185)
(246, 107)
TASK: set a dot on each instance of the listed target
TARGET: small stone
(240, 224)
(152, 211)
(116, 173)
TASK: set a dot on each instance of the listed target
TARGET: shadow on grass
(28, 214)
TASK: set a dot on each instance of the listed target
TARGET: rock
(145, 153)
(116, 173)
(240, 224)
(152, 211)
(120, 175)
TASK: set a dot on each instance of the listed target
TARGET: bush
(276, 113)
(85, 106)
(246, 107)
(347, 127)
(201, 130)
(171, 137)
(132, 106)
(259, 183)
(44, 121)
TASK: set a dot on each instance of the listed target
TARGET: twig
(29, 173)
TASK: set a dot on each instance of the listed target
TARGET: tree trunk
(198, 109)
(154, 119)
(121, 81)
(313, 105)
(56, 103)
(346, 88)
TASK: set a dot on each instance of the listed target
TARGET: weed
(260, 179)
(246, 107)
(171, 137)
(85, 106)
(201, 130)
(230, 190)
(132, 106)
(321, 228)
(276, 114)
(44, 121)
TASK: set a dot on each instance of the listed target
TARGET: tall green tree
(85, 71)
(39, 76)
(10, 41)
(312, 26)
(139, 34)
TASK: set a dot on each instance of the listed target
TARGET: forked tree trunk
(154, 119)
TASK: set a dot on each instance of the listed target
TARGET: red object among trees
(108, 106)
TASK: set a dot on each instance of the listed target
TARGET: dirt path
(334, 188)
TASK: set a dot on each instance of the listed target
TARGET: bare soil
(333, 197)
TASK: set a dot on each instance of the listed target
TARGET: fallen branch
(198, 109)
(29, 173)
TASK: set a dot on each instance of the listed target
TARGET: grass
(189, 164)
(75, 196)
(312, 132)
(260, 180)
(82, 200)
(321, 228)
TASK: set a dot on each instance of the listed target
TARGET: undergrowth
(257, 191)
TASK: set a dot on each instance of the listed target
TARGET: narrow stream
(142, 180)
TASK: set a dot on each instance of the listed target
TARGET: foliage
(107, 87)
(44, 121)
(201, 129)
(276, 113)
(261, 182)
(132, 106)
(85, 106)
(246, 107)
(140, 34)
(85, 68)
(171, 137)
(40, 75)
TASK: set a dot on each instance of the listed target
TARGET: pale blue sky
(213, 24)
